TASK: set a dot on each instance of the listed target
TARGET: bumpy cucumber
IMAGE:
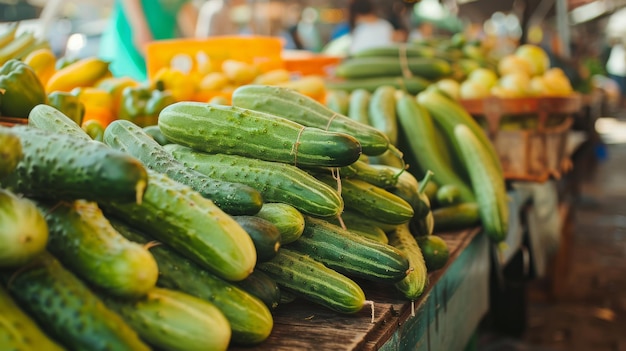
(175, 321)
(246, 132)
(407, 188)
(84, 241)
(277, 182)
(456, 217)
(23, 230)
(10, 152)
(365, 67)
(412, 85)
(314, 282)
(413, 285)
(355, 225)
(382, 112)
(264, 235)
(350, 254)
(349, 216)
(49, 118)
(179, 216)
(304, 110)
(338, 101)
(18, 331)
(155, 132)
(288, 220)
(263, 287)
(487, 182)
(372, 201)
(232, 198)
(61, 166)
(250, 320)
(384, 177)
(358, 106)
(67, 309)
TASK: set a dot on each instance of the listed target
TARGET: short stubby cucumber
(288, 220)
(250, 320)
(175, 321)
(232, 198)
(456, 217)
(10, 152)
(277, 182)
(49, 118)
(263, 287)
(413, 285)
(23, 230)
(18, 331)
(246, 132)
(264, 235)
(61, 166)
(354, 224)
(349, 253)
(358, 107)
(314, 282)
(84, 241)
(179, 216)
(384, 177)
(66, 308)
(297, 107)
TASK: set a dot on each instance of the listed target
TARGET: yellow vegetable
(98, 105)
(82, 73)
(42, 61)
(213, 81)
(239, 72)
(273, 77)
(312, 86)
(114, 86)
(182, 86)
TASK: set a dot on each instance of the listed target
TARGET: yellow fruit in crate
(450, 87)
(43, 62)
(312, 86)
(213, 81)
(273, 77)
(82, 73)
(473, 89)
(484, 76)
(536, 57)
(537, 86)
(516, 84)
(512, 63)
(557, 83)
(182, 86)
(206, 66)
(239, 72)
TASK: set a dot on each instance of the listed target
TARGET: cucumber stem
(424, 182)
(396, 152)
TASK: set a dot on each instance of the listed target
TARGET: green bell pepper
(69, 104)
(142, 105)
(21, 88)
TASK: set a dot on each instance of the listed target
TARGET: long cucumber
(413, 285)
(382, 112)
(288, 220)
(338, 101)
(247, 132)
(358, 106)
(48, 118)
(412, 85)
(233, 198)
(456, 217)
(297, 107)
(365, 67)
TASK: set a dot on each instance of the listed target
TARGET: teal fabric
(117, 41)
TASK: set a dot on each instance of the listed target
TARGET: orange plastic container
(320, 65)
(188, 54)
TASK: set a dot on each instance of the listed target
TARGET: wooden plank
(301, 325)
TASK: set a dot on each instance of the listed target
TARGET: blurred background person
(367, 28)
(134, 23)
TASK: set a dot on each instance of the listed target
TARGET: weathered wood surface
(305, 326)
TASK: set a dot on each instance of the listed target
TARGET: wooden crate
(536, 149)
(11, 121)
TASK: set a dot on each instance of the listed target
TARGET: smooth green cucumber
(315, 282)
(396, 50)
(61, 166)
(253, 133)
(46, 117)
(407, 188)
(179, 216)
(447, 195)
(350, 254)
(419, 132)
(23, 230)
(371, 200)
(349, 216)
(155, 132)
(264, 235)
(67, 310)
(263, 287)
(362, 228)
(456, 217)
(365, 67)
(288, 220)
(423, 226)
(382, 112)
(277, 182)
(84, 241)
(297, 107)
(487, 182)
(10, 152)
(18, 331)
(385, 178)
(414, 284)
(358, 105)
(233, 198)
(175, 321)
(412, 85)
(250, 320)
(338, 101)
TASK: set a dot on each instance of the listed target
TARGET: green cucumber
(288, 220)
(351, 216)
(487, 182)
(179, 216)
(384, 177)
(250, 320)
(314, 282)
(412, 85)
(424, 226)
(233, 198)
(358, 106)
(277, 182)
(18, 331)
(23, 230)
(297, 107)
(246, 132)
(264, 235)
(61, 166)
(10, 152)
(407, 188)
(46, 117)
(396, 50)
(447, 195)
(338, 101)
(371, 200)
(382, 112)
(414, 284)
(350, 254)
(456, 217)
(263, 287)
(435, 251)
(175, 321)
(155, 132)
(360, 228)
(364, 67)
(66, 309)
(84, 241)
